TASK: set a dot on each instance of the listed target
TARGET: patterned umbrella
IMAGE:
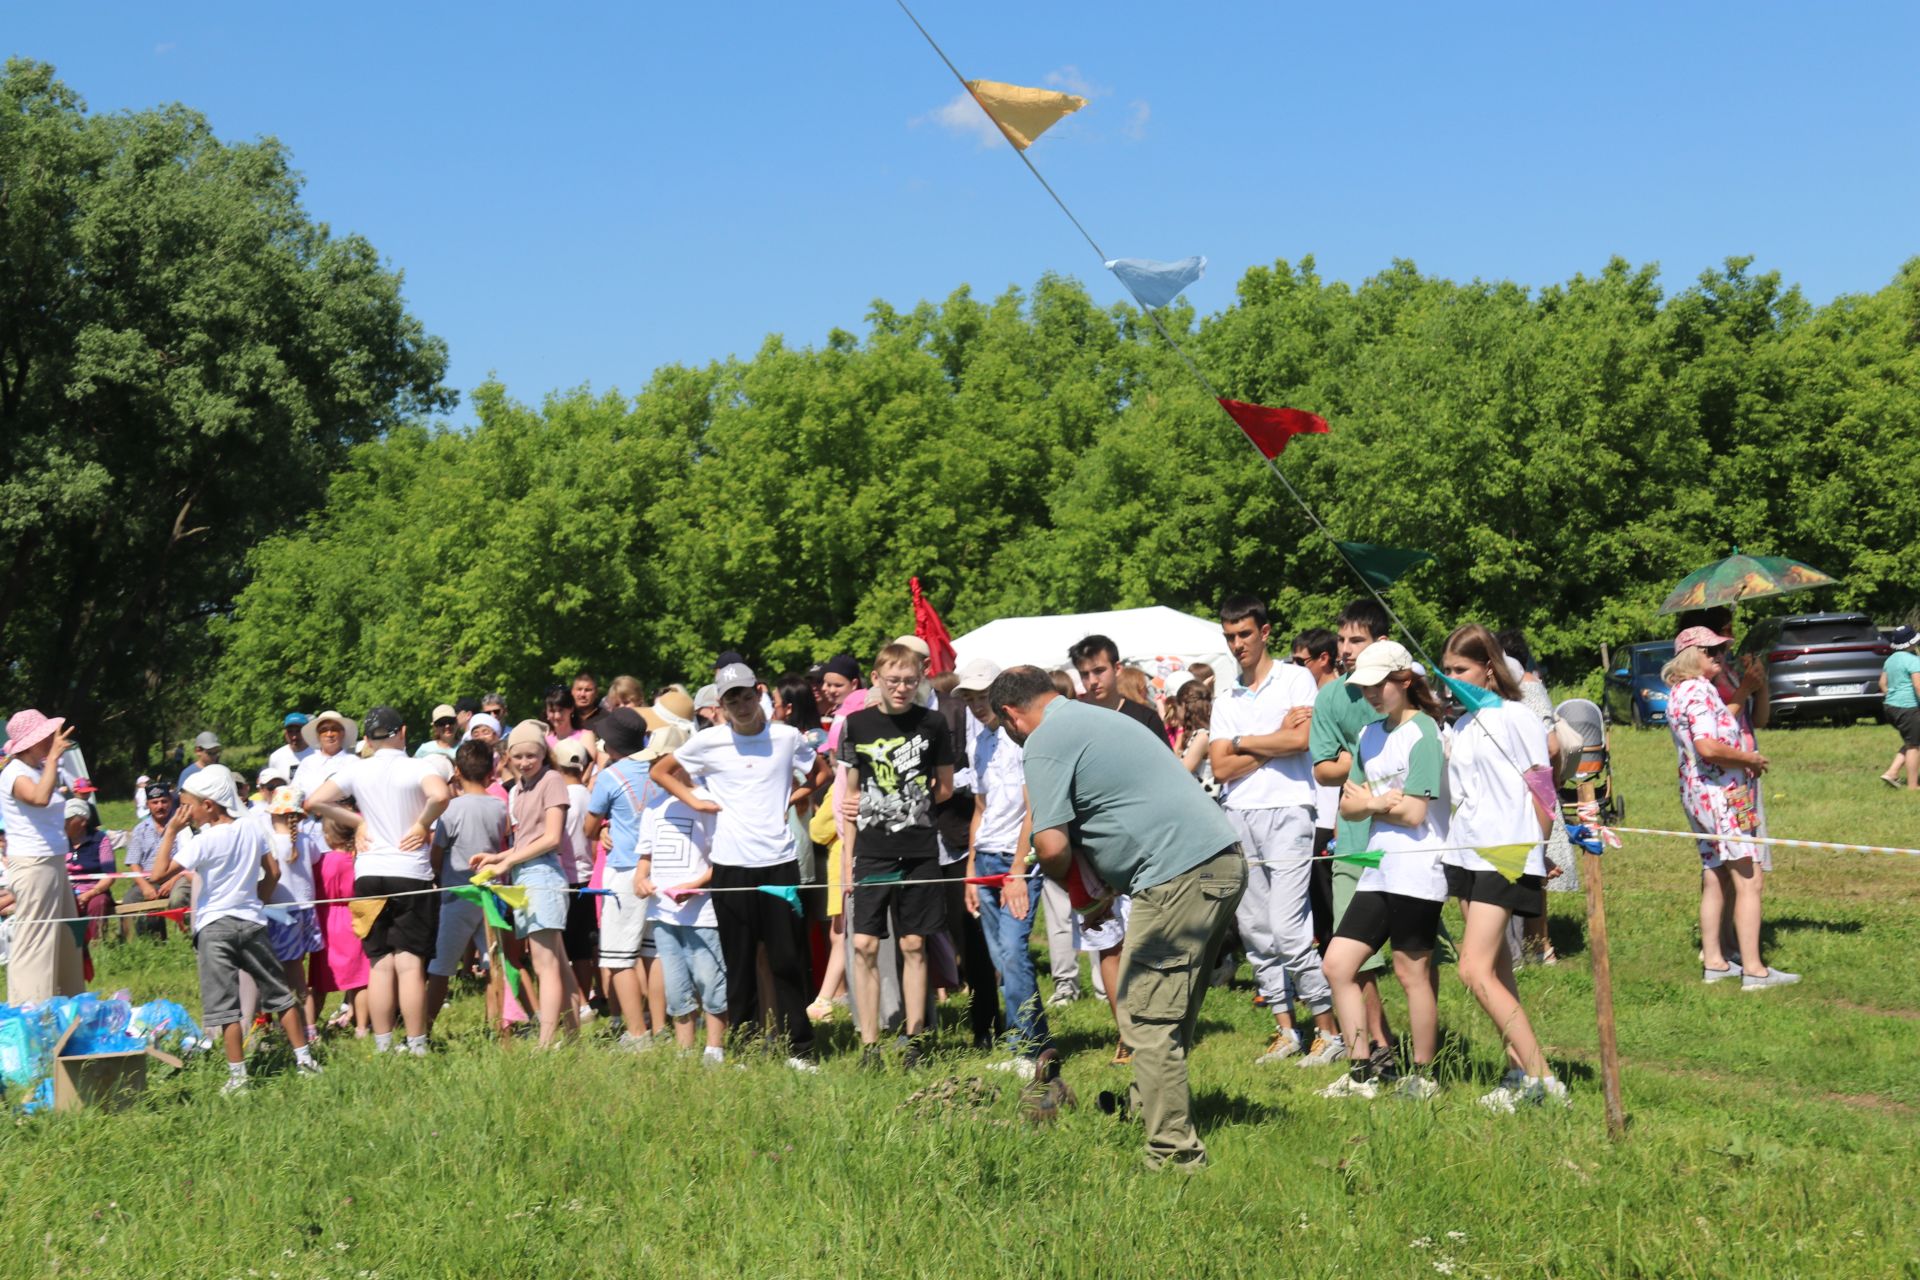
(1741, 577)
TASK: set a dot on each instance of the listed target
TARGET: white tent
(1157, 639)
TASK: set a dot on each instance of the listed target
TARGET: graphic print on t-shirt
(894, 794)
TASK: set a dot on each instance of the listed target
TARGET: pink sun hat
(27, 728)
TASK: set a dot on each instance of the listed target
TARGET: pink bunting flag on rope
(1270, 429)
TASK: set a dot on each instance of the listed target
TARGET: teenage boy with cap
(755, 771)
(1258, 749)
(446, 734)
(901, 757)
(399, 799)
(621, 796)
(288, 756)
(236, 869)
(206, 751)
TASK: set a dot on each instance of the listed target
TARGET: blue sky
(581, 193)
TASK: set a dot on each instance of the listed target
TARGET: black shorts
(918, 908)
(1373, 917)
(410, 924)
(1525, 897)
(1907, 721)
(583, 928)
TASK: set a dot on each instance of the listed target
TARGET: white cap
(444, 711)
(1176, 682)
(914, 643)
(976, 674)
(77, 808)
(709, 696)
(1378, 661)
(215, 783)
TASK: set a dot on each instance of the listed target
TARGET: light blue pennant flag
(1155, 284)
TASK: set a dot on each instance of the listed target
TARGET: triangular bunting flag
(1361, 858)
(485, 900)
(989, 882)
(1470, 696)
(885, 877)
(514, 895)
(1270, 429)
(364, 912)
(1510, 860)
(1023, 114)
(1155, 284)
(790, 894)
(1381, 566)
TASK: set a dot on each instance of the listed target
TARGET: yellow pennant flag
(514, 895)
(1023, 114)
(1510, 860)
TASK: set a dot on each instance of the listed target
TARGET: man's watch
(1236, 742)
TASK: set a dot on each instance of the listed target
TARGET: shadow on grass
(1214, 1107)
(1804, 924)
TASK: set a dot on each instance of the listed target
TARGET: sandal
(820, 1011)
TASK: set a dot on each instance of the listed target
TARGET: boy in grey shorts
(234, 865)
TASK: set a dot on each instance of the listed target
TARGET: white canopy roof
(1156, 639)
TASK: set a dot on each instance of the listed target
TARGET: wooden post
(1590, 874)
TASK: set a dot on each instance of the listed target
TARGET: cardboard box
(101, 1080)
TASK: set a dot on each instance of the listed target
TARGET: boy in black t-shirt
(902, 760)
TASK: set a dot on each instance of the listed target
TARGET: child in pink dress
(341, 964)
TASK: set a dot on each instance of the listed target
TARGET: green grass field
(1770, 1134)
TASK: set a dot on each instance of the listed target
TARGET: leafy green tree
(185, 359)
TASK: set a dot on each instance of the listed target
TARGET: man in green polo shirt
(1339, 714)
(1104, 788)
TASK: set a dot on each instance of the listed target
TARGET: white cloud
(164, 48)
(963, 116)
(1069, 80)
(1136, 126)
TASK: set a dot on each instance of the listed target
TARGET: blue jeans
(1027, 1032)
(696, 977)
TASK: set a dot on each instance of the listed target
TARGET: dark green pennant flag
(1381, 566)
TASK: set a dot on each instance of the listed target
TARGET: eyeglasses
(898, 682)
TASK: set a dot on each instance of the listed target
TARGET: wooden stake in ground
(1602, 982)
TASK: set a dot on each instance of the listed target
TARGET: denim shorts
(696, 976)
(547, 896)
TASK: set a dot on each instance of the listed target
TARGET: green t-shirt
(1125, 800)
(1901, 668)
(1340, 712)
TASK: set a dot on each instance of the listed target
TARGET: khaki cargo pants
(1173, 937)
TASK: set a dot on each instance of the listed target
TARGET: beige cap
(1378, 661)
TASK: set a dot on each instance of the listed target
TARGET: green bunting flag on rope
(484, 899)
(1364, 858)
(1470, 696)
(1381, 566)
(790, 894)
(885, 877)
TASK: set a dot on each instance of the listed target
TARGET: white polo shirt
(1245, 712)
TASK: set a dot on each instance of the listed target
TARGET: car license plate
(1829, 690)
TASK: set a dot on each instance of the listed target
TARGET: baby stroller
(1577, 719)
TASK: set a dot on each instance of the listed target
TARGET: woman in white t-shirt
(45, 958)
(1502, 787)
(1398, 784)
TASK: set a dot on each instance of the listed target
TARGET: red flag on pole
(927, 625)
(1270, 429)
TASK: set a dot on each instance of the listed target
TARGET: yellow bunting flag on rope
(514, 895)
(1023, 114)
(1510, 860)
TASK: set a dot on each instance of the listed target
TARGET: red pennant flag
(176, 914)
(989, 882)
(927, 625)
(1270, 429)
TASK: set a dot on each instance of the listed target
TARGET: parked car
(1820, 665)
(1635, 694)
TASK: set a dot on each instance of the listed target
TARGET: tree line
(1566, 452)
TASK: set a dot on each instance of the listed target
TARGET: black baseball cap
(622, 730)
(159, 791)
(844, 665)
(729, 658)
(468, 704)
(382, 722)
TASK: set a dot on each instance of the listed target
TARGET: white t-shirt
(1246, 712)
(1000, 780)
(317, 768)
(297, 855)
(576, 854)
(1492, 804)
(1410, 760)
(750, 776)
(388, 788)
(679, 840)
(289, 760)
(225, 861)
(33, 830)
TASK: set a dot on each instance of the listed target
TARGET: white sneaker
(1416, 1088)
(712, 1056)
(234, 1084)
(1543, 1092)
(1719, 975)
(804, 1065)
(1021, 1067)
(1327, 1050)
(307, 1069)
(1347, 1087)
(1063, 995)
(1500, 1099)
(1771, 978)
(1286, 1043)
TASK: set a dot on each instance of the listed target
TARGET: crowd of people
(730, 867)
